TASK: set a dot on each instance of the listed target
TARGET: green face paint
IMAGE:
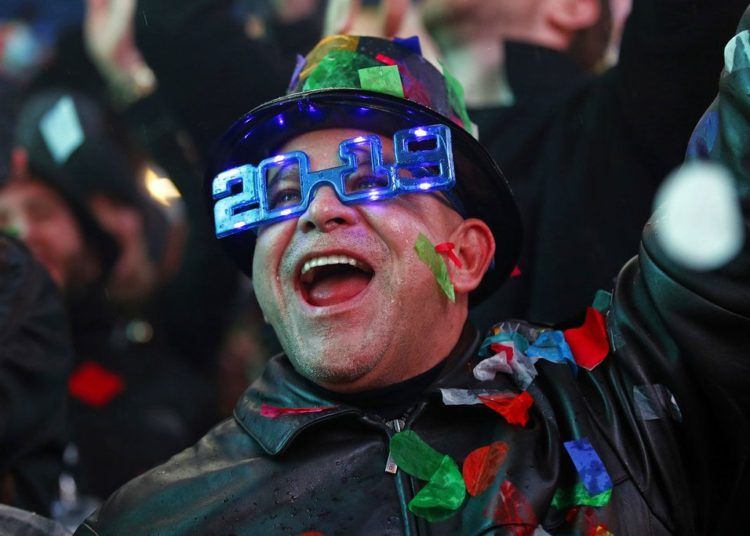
(427, 254)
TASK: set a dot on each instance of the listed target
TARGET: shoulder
(183, 485)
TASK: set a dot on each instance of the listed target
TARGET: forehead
(322, 146)
(19, 193)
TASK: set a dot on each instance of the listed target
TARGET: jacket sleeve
(208, 70)
(670, 59)
(35, 360)
(690, 330)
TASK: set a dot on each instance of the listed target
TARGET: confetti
(589, 342)
(482, 465)
(414, 456)
(590, 467)
(273, 412)
(447, 248)
(578, 496)
(551, 346)
(655, 402)
(602, 301)
(412, 43)
(515, 409)
(467, 397)
(95, 385)
(443, 495)
(383, 79)
(427, 254)
(301, 62)
(61, 129)
(512, 508)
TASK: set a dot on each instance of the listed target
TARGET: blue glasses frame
(241, 195)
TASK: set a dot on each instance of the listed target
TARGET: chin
(347, 367)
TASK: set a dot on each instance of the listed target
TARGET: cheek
(269, 250)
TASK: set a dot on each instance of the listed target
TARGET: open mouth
(333, 279)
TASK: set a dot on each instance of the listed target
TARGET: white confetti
(698, 217)
(61, 129)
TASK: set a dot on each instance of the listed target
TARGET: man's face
(47, 226)
(365, 318)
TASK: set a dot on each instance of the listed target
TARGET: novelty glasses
(282, 186)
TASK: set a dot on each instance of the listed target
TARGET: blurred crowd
(125, 334)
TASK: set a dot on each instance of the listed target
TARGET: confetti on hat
(654, 402)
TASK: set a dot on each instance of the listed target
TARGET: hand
(108, 34)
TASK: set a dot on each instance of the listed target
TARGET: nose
(326, 212)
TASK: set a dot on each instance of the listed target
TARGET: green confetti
(414, 456)
(427, 254)
(456, 97)
(443, 495)
(602, 301)
(578, 496)
(338, 69)
(384, 79)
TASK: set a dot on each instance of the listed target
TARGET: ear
(475, 247)
(571, 16)
(340, 16)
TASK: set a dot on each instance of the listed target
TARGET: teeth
(332, 259)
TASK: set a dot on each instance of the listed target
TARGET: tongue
(337, 288)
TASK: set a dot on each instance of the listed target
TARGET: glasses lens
(369, 177)
(282, 184)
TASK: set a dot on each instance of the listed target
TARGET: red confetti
(273, 412)
(516, 272)
(591, 524)
(447, 248)
(94, 385)
(382, 58)
(515, 409)
(589, 342)
(498, 347)
(311, 533)
(481, 466)
(512, 508)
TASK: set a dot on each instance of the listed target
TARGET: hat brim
(480, 184)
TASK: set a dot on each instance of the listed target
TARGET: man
(370, 219)
(72, 199)
(35, 360)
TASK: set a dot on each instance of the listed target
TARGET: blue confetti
(412, 43)
(551, 346)
(590, 467)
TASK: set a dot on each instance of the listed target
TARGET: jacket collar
(281, 386)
